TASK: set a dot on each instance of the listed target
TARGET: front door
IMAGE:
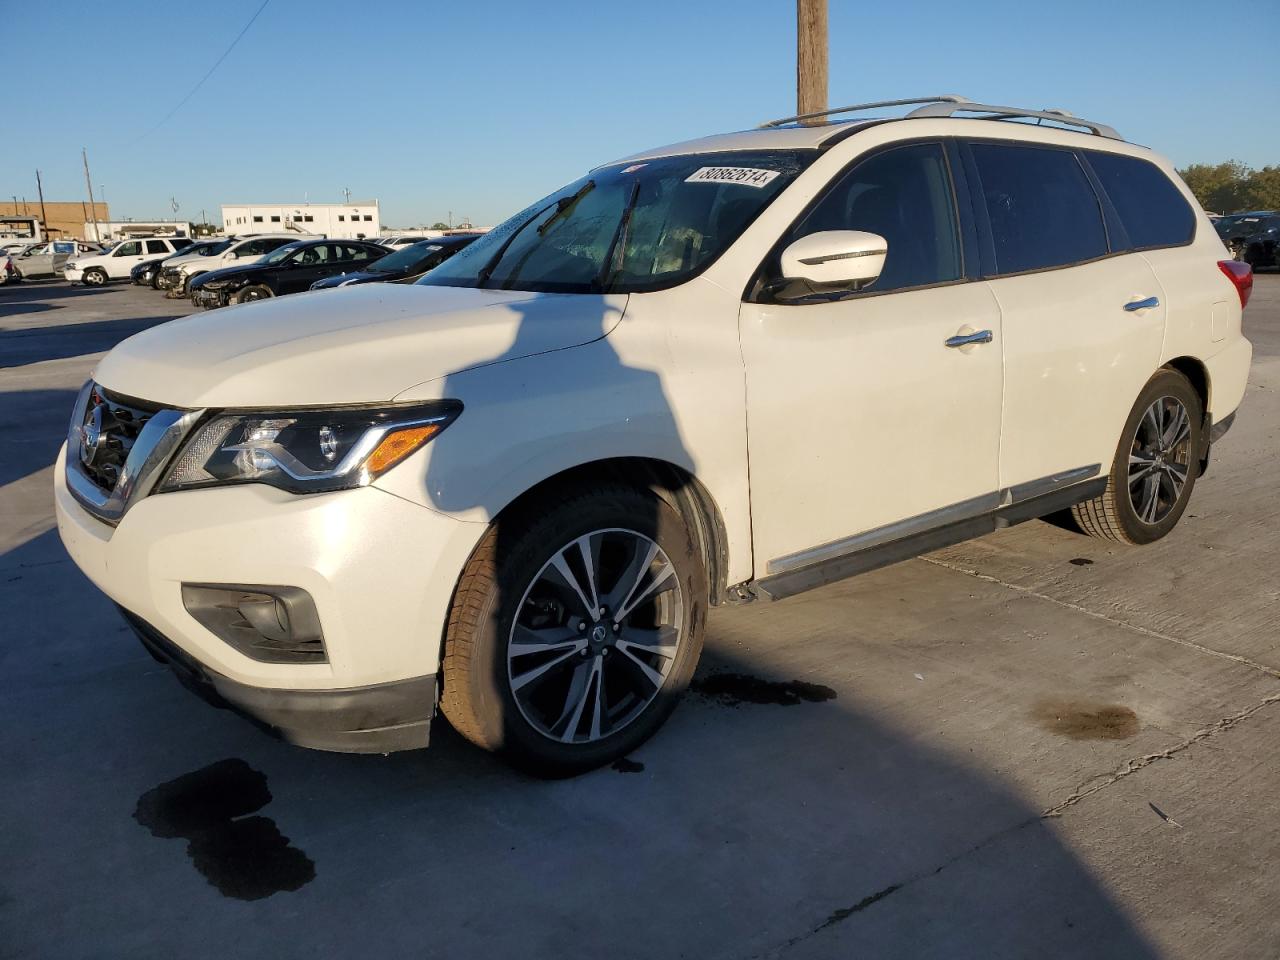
(124, 258)
(864, 425)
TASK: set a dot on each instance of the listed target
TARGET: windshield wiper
(608, 268)
(561, 205)
(564, 207)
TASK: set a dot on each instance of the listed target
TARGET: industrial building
(345, 220)
(62, 218)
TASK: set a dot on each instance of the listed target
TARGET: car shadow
(33, 424)
(21, 346)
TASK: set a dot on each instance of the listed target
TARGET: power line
(217, 63)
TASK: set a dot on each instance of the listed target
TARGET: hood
(359, 344)
(226, 273)
(358, 276)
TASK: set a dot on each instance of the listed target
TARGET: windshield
(629, 227)
(213, 249)
(283, 253)
(406, 258)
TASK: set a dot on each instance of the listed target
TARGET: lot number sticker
(747, 176)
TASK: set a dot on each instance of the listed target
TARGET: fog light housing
(270, 624)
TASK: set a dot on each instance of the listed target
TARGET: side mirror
(836, 257)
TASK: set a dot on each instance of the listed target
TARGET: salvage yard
(1032, 744)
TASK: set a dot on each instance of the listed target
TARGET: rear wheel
(574, 630)
(95, 277)
(1155, 467)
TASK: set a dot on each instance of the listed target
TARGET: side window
(130, 249)
(314, 256)
(1041, 206)
(1153, 211)
(355, 253)
(157, 246)
(904, 194)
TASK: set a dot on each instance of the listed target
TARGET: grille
(118, 424)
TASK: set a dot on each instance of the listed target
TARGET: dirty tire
(95, 277)
(1113, 515)
(255, 291)
(477, 696)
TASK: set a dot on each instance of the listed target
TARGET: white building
(345, 220)
(123, 229)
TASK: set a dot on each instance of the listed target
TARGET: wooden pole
(44, 218)
(97, 235)
(811, 56)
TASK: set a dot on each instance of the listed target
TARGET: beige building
(66, 218)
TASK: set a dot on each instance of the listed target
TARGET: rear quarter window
(1152, 210)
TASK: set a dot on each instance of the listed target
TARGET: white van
(721, 371)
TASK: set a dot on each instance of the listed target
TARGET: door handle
(966, 339)
(1146, 304)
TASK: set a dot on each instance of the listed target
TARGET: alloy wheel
(1160, 460)
(595, 636)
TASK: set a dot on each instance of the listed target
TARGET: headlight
(306, 451)
(213, 284)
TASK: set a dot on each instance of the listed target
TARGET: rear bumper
(382, 718)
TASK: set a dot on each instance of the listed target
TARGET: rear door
(1083, 319)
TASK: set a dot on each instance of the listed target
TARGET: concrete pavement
(1038, 744)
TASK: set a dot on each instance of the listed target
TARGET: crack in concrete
(1077, 608)
(1135, 764)
(1129, 768)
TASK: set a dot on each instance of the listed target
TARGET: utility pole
(88, 182)
(811, 56)
(44, 219)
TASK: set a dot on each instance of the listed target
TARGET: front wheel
(95, 277)
(251, 293)
(575, 628)
(1155, 467)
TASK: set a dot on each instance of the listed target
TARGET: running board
(862, 559)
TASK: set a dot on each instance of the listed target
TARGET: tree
(1262, 191)
(439, 226)
(1220, 187)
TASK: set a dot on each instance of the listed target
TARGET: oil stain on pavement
(1083, 720)
(245, 857)
(733, 689)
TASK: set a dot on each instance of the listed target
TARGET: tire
(1155, 469)
(539, 708)
(155, 281)
(255, 291)
(95, 277)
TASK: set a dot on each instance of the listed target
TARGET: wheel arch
(679, 488)
(1195, 371)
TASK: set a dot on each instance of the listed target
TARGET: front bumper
(380, 570)
(382, 718)
(208, 299)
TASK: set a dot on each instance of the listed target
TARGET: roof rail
(950, 108)
(949, 99)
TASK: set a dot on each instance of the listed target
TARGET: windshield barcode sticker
(747, 176)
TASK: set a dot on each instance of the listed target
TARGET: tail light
(1240, 274)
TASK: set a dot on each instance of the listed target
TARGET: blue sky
(481, 106)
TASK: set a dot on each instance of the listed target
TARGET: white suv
(96, 269)
(178, 272)
(726, 370)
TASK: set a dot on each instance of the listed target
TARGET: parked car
(396, 242)
(233, 251)
(404, 266)
(290, 269)
(48, 259)
(96, 269)
(147, 273)
(1236, 229)
(726, 370)
(1262, 244)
